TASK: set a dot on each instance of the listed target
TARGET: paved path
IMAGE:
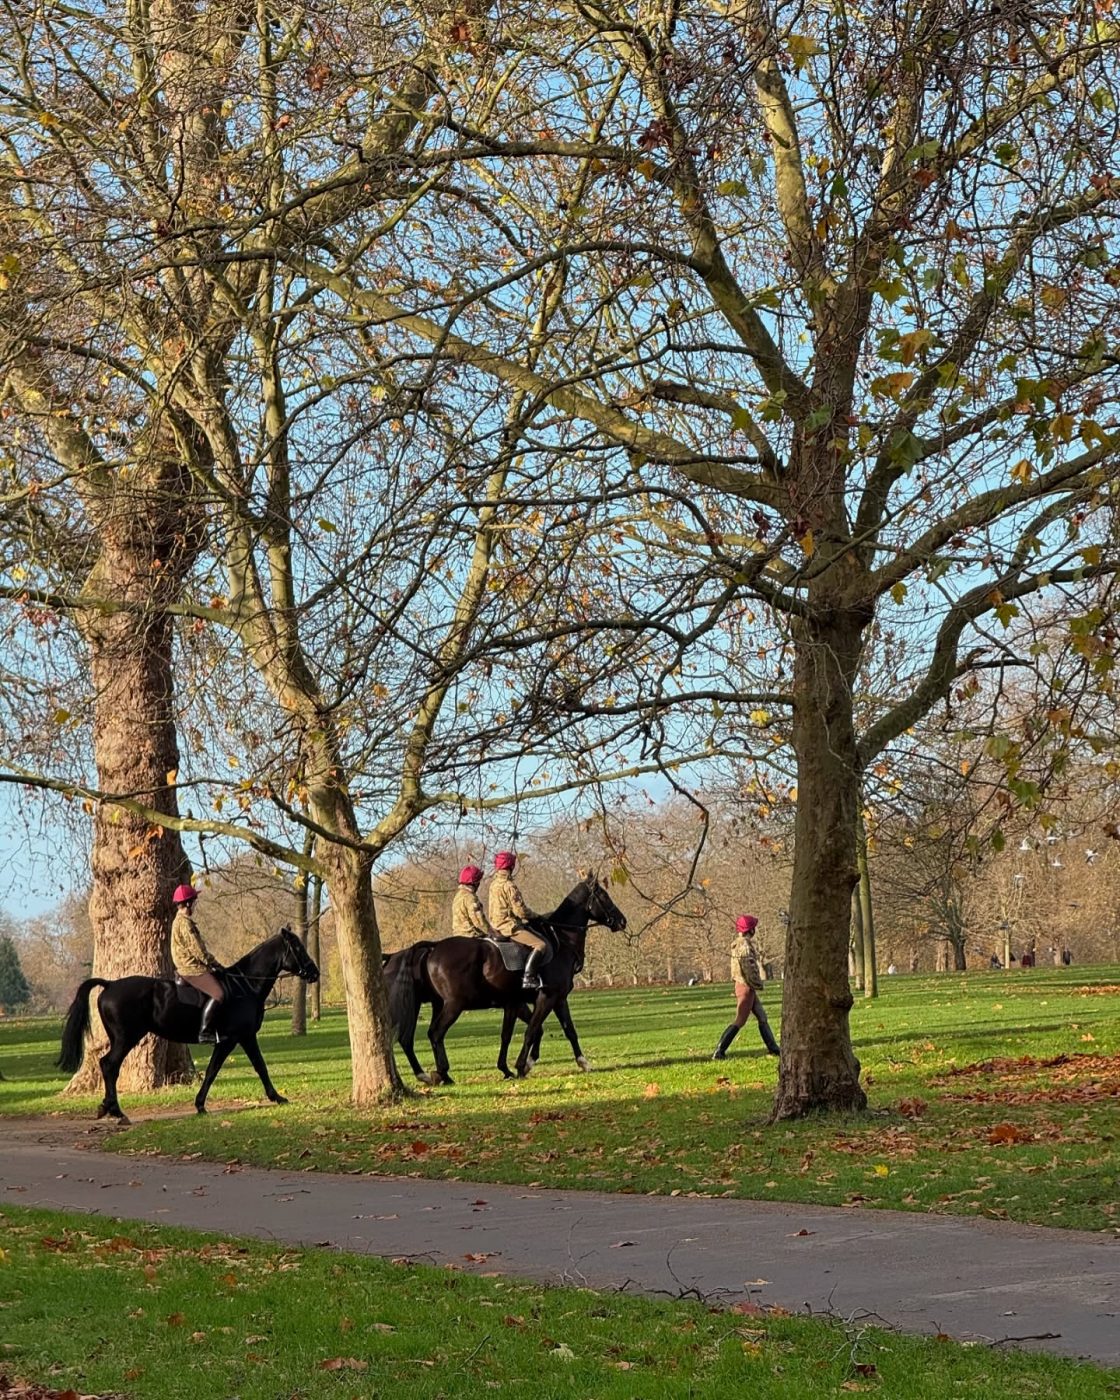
(971, 1279)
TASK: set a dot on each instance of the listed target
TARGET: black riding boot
(766, 1033)
(724, 1041)
(531, 982)
(207, 1033)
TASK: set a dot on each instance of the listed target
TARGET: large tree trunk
(374, 1076)
(818, 1067)
(135, 867)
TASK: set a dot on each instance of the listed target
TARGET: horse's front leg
(509, 1016)
(546, 1002)
(218, 1057)
(564, 1016)
(256, 1059)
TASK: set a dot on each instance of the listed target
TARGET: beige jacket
(188, 952)
(744, 963)
(467, 918)
(508, 911)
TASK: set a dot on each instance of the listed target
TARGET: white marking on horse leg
(584, 1063)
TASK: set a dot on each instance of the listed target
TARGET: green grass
(174, 1315)
(656, 1115)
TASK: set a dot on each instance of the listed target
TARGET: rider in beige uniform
(193, 961)
(467, 917)
(510, 915)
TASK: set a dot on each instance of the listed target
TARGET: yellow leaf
(172, 776)
(60, 716)
(1022, 471)
(1092, 555)
(912, 343)
(881, 1169)
(807, 545)
(898, 592)
(233, 760)
(760, 716)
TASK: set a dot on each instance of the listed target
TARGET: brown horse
(468, 974)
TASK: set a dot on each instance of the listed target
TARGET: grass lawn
(1016, 1139)
(172, 1315)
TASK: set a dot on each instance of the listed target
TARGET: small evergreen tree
(14, 990)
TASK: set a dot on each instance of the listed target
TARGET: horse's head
(601, 908)
(295, 957)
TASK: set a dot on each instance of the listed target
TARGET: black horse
(468, 974)
(132, 1007)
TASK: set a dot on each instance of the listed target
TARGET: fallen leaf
(622, 1244)
(343, 1363)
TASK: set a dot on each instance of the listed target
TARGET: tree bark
(867, 914)
(299, 995)
(135, 867)
(855, 946)
(818, 1067)
(313, 944)
(374, 1076)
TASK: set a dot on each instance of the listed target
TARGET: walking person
(747, 977)
(193, 961)
(510, 915)
(467, 917)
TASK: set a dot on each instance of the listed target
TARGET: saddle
(515, 955)
(191, 996)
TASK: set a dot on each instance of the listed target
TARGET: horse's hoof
(102, 1111)
(508, 1074)
(123, 1119)
(584, 1063)
(200, 1108)
(279, 1098)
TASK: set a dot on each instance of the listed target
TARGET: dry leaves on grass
(1067, 1067)
(1070, 1079)
(17, 1389)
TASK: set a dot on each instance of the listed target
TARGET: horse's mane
(242, 963)
(560, 920)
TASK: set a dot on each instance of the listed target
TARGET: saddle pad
(514, 955)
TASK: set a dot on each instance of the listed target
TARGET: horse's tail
(402, 973)
(77, 1024)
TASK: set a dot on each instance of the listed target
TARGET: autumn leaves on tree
(507, 404)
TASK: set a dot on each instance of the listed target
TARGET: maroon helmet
(184, 894)
(746, 923)
(470, 875)
(505, 860)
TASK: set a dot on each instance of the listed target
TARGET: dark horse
(131, 1007)
(467, 974)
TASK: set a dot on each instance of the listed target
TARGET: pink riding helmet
(184, 894)
(505, 860)
(746, 923)
(470, 875)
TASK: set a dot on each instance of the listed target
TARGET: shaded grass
(170, 1314)
(1028, 1143)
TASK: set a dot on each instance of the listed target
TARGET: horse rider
(510, 915)
(193, 960)
(467, 917)
(747, 976)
